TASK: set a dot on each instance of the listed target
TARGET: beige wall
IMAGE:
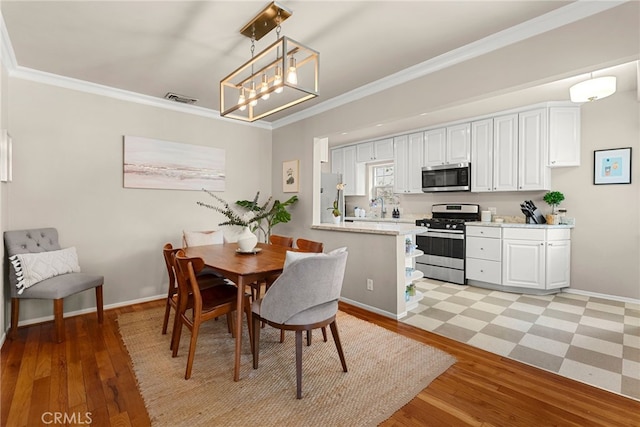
(68, 154)
(605, 252)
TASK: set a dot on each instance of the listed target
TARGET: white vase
(247, 240)
(336, 219)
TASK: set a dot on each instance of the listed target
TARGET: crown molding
(563, 16)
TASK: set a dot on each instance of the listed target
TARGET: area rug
(385, 371)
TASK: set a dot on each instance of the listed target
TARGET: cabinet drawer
(524, 233)
(558, 234)
(494, 232)
(484, 271)
(484, 248)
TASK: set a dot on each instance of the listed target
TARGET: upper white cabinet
(435, 147)
(408, 163)
(564, 136)
(343, 161)
(482, 155)
(447, 145)
(458, 143)
(375, 150)
(509, 152)
(505, 153)
(533, 132)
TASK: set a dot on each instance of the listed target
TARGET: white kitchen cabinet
(505, 153)
(484, 254)
(408, 153)
(482, 155)
(564, 136)
(508, 152)
(435, 147)
(533, 173)
(447, 145)
(343, 161)
(536, 259)
(375, 150)
(459, 143)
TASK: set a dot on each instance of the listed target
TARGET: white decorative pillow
(338, 251)
(202, 238)
(32, 268)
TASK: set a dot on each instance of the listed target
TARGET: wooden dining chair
(303, 298)
(278, 240)
(309, 245)
(204, 281)
(206, 304)
(256, 287)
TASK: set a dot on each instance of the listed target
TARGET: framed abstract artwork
(290, 174)
(612, 166)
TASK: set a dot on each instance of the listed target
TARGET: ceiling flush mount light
(281, 76)
(593, 89)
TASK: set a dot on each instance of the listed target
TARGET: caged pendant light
(281, 76)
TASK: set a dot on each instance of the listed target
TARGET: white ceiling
(187, 47)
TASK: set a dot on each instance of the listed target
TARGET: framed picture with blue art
(612, 166)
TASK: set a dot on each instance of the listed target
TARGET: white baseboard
(373, 309)
(599, 295)
(86, 310)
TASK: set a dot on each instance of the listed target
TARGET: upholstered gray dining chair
(304, 297)
(40, 269)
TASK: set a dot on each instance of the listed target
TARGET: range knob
(448, 226)
(454, 226)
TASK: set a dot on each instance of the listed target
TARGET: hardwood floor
(87, 380)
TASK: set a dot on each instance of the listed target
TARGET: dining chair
(305, 245)
(285, 241)
(205, 280)
(309, 245)
(304, 297)
(204, 304)
(274, 239)
(41, 269)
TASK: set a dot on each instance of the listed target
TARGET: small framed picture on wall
(612, 166)
(290, 174)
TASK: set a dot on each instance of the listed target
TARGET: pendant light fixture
(593, 89)
(285, 73)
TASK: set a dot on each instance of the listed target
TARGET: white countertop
(403, 220)
(390, 228)
(515, 225)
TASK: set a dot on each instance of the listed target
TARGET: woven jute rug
(385, 371)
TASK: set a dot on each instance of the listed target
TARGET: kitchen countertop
(391, 228)
(516, 225)
(403, 220)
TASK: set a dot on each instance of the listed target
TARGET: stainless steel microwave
(452, 177)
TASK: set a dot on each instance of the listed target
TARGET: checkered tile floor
(588, 339)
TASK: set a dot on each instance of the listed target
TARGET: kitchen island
(376, 276)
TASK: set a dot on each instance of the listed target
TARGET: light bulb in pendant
(277, 80)
(241, 100)
(264, 87)
(252, 94)
(292, 75)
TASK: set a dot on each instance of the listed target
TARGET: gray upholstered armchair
(57, 286)
(304, 297)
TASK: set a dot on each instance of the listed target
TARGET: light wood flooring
(88, 379)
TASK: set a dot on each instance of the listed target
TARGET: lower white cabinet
(536, 259)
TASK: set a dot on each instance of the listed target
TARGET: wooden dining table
(242, 269)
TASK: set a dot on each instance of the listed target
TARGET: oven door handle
(445, 235)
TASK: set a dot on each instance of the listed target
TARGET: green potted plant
(553, 198)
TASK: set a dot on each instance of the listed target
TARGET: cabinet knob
(481, 271)
(482, 249)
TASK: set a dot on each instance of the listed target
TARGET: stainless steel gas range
(443, 243)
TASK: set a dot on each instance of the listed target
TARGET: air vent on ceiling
(180, 98)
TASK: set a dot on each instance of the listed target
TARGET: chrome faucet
(382, 211)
